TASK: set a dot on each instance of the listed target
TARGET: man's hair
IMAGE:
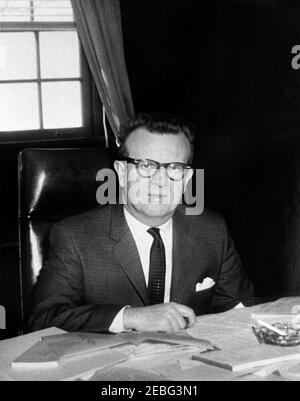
(157, 124)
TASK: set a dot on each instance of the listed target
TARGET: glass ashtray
(267, 336)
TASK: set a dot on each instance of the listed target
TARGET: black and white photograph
(149, 193)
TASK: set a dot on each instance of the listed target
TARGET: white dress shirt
(143, 242)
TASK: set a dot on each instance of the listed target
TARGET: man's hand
(167, 317)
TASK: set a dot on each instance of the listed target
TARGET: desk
(176, 366)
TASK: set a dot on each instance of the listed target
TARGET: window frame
(86, 87)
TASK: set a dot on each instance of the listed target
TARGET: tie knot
(154, 231)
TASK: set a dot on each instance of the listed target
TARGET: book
(249, 358)
(40, 354)
(50, 351)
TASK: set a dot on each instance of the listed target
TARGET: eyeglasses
(148, 168)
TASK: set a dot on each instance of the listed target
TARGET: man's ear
(121, 169)
(187, 176)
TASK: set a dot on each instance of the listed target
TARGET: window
(44, 84)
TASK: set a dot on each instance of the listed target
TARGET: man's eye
(147, 165)
(175, 167)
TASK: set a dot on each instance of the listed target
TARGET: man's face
(153, 200)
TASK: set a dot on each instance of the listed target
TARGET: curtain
(100, 32)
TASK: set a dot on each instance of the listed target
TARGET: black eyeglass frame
(136, 162)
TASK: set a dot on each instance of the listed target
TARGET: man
(144, 265)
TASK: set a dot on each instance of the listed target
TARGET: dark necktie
(157, 270)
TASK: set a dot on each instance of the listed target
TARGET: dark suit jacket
(94, 269)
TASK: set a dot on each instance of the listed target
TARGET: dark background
(226, 67)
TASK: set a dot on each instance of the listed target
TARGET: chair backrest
(53, 184)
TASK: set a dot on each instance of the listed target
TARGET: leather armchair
(53, 184)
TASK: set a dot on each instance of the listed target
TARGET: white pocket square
(206, 283)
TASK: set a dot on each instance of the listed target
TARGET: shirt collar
(137, 226)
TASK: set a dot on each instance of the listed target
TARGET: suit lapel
(127, 254)
(184, 257)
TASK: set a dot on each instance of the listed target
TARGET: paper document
(228, 331)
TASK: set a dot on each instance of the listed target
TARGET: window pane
(51, 10)
(11, 10)
(18, 56)
(36, 10)
(61, 104)
(19, 107)
(59, 55)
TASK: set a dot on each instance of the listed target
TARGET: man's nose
(161, 177)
